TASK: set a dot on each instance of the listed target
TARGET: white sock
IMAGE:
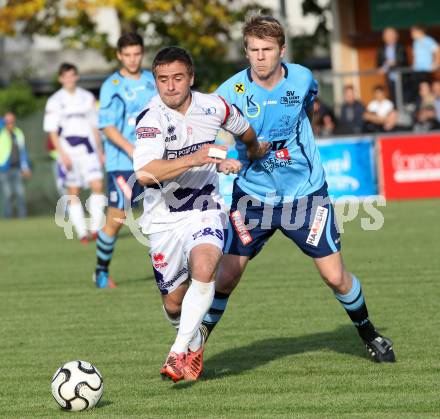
(76, 215)
(196, 341)
(95, 205)
(195, 304)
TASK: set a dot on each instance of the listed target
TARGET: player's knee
(172, 308)
(335, 280)
(204, 273)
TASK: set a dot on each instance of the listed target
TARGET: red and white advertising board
(409, 166)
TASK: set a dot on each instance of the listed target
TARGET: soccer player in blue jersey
(122, 97)
(286, 190)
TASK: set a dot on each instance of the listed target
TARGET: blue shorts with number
(123, 188)
(308, 221)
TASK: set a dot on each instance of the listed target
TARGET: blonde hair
(261, 27)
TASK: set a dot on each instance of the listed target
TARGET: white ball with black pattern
(77, 385)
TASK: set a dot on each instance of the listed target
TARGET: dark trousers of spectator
(11, 185)
(407, 89)
(416, 78)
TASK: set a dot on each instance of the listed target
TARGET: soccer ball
(77, 385)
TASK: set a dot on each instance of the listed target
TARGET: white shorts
(85, 169)
(169, 250)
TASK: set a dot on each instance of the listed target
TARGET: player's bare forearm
(249, 138)
(161, 170)
(115, 136)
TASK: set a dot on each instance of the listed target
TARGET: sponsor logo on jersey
(282, 154)
(171, 136)
(240, 228)
(283, 127)
(270, 102)
(208, 231)
(159, 261)
(174, 154)
(147, 132)
(210, 111)
(271, 164)
(239, 88)
(290, 99)
(252, 108)
(317, 226)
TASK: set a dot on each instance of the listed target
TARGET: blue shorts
(119, 189)
(308, 221)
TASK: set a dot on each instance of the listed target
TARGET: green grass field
(285, 347)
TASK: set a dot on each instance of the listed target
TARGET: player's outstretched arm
(160, 170)
(256, 150)
(114, 135)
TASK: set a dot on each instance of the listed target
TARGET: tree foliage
(304, 46)
(201, 26)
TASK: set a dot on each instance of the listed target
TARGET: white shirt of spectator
(163, 133)
(380, 108)
(72, 115)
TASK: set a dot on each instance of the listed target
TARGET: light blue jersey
(121, 100)
(293, 168)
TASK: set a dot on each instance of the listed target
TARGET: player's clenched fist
(228, 166)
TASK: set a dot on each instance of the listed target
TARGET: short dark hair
(168, 55)
(129, 39)
(65, 67)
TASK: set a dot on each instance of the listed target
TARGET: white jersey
(73, 117)
(163, 133)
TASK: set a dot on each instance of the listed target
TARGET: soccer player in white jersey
(277, 100)
(182, 212)
(72, 123)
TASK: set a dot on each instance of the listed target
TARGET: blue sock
(214, 314)
(354, 304)
(104, 251)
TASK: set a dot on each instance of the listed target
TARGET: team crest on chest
(239, 88)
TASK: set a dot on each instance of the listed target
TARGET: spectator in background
(426, 119)
(380, 114)
(14, 165)
(324, 121)
(351, 119)
(426, 56)
(425, 97)
(390, 56)
(436, 93)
